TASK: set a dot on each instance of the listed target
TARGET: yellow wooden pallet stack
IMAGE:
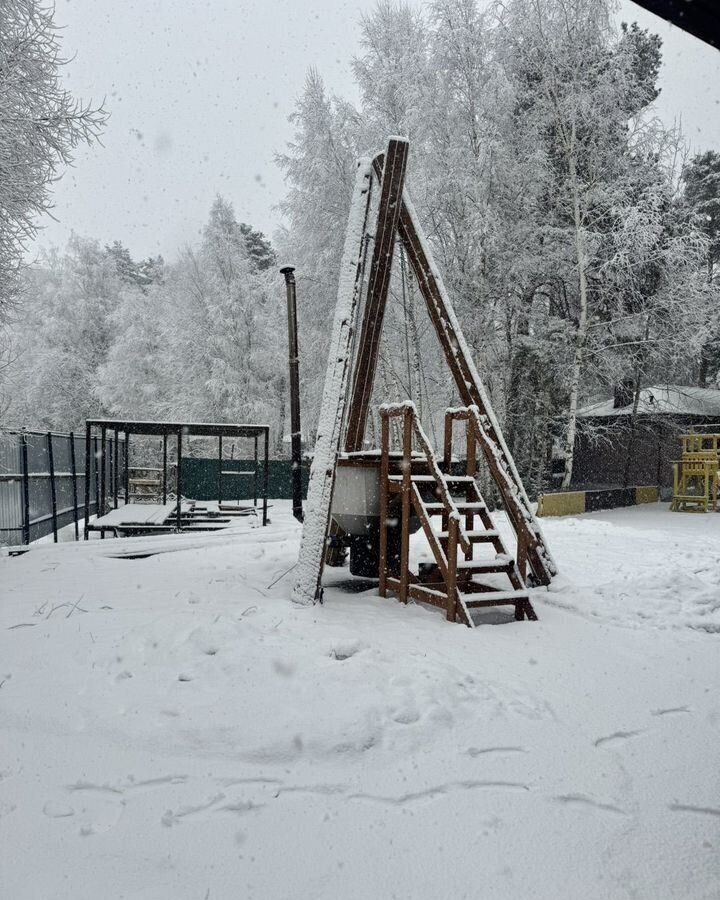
(696, 477)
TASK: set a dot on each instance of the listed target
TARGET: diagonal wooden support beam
(472, 391)
(391, 174)
(307, 588)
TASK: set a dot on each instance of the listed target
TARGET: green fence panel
(200, 479)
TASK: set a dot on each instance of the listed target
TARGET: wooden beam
(405, 513)
(307, 588)
(391, 173)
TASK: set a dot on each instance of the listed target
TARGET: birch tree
(580, 89)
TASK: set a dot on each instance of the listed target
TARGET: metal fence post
(265, 475)
(96, 457)
(53, 493)
(126, 462)
(255, 474)
(73, 472)
(103, 475)
(220, 464)
(25, 490)
(87, 483)
(117, 471)
(165, 437)
(178, 489)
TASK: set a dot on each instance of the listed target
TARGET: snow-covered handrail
(483, 425)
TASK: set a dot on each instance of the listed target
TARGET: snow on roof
(662, 399)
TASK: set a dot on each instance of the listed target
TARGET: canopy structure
(109, 469)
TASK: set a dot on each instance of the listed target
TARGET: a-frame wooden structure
(382, 212)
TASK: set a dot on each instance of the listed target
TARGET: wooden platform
(149, 518)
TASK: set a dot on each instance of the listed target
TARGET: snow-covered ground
(172, 727)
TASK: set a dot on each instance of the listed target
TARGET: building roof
(195, 429)
(662, 399)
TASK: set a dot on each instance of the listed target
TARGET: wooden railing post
(384, 475)
(406, 489)
(447, 444)
(471, 468)
(522, 555)
(451, 583)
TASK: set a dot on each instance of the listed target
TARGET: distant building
(606, 440)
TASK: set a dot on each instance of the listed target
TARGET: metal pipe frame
(25, 490)
(53, 492)
(73, 470)
(293, 361)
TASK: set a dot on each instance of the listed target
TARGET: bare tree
(40, 125)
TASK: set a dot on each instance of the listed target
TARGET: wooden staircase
(427, 490)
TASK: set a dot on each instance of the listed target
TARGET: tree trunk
(581, 333)
(633, 428)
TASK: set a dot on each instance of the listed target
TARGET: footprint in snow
(585, 800)
(672, 710)
(485, 751)
(616, 737)
(98, 807)
(174, 817)
(406, 716)
(54, 809)
(702, 810)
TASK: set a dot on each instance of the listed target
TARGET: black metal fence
(42, 483)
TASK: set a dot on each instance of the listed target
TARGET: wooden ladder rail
(472, 391)
(528, 539)
(516, 574)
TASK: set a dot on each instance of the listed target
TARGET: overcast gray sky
(199, 95)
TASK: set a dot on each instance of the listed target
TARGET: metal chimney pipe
(295, 435)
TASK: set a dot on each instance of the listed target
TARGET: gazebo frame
(179, 430)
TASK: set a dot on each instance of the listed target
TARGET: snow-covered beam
(391, 172)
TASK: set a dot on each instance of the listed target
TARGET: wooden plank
(407, 487)
(420, 593)
(471, 468)
(451, 581)
(392, 179)
(431, 536)
(448, 442)
(384, 470)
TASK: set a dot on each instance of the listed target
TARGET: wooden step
(435, 509)
(427, 479)
(415, 478)
(474, 536)
(501, 563)
(493, 598)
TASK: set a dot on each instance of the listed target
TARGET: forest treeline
(579, 239)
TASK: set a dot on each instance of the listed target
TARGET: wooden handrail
(408, 410)
(526, 529)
